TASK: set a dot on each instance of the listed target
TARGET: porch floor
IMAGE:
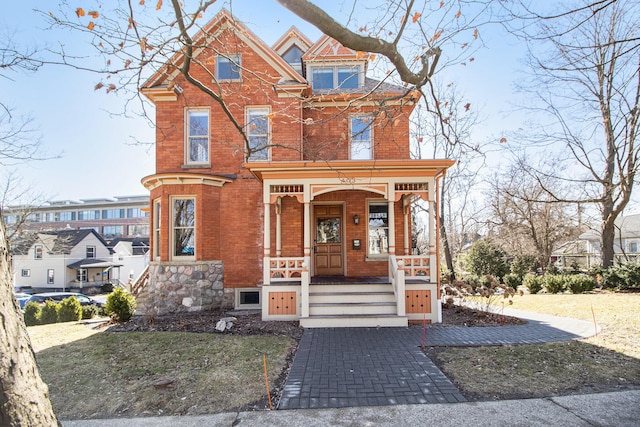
(339, 280)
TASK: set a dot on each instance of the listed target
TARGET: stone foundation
(187, 286)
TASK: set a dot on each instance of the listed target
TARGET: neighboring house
(587, 252)
(132, 254)
(67, 260)
(124, 216)
(307, 219)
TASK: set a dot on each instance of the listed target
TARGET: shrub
(533, 283)
(487, 258)
(70, 310)
(32, 313)
(49, 313)
(107, 288)
(523, 264)
(623, 277)
(554, 283)
(512, 280)
(580, 283)
(89, 311)
(120, 305)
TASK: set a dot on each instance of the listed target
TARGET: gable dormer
(291, 47)
(332, 67)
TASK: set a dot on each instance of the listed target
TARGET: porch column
(406, 210)
(392, 228)
(433, 260)
(279, 227)
(307, 229)
(266, 270)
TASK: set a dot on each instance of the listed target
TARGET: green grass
(113, 374)
(608, 361)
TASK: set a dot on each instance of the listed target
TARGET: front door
(328, 241)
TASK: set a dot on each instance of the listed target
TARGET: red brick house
(308, 217)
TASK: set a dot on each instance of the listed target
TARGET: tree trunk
(24, 397)
(446, 248)
(608, 238)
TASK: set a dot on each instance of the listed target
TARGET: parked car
(23, 289)
(59, 296)
(22, 298)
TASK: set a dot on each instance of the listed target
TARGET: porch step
(355, 321)
(352, 305)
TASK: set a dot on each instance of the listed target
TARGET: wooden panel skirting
(282, 303)
(418, 301)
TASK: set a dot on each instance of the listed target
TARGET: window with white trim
(248, 298)
(633, 247)
(37, 252)
(337, 77)
(184, 227)
(91, 252)
(257, 129)
(197, 136)
(50, 276)
(361, 147)
(156, 229)
(82, 275)
(378, 229)
(26, 272)
(228, 67)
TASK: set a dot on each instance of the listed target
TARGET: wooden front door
(328, 241)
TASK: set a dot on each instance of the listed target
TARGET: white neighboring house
(587, 252)
(76, 260)
(132, 254)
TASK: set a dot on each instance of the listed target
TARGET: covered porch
(337, 242)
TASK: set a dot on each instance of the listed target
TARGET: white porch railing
(416, 266)
(396, 276)
(286, 269)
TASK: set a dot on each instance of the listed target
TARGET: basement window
(248, 298)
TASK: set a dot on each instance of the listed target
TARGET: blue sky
(99, 157)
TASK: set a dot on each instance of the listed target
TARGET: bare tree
(525, 218)
(443, 130)
(24, 397)
(586, 80)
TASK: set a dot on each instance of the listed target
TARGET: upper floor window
(136, 213)
(184, 227)
(10, 219)
(198, 136)
(324, 78)
(361, 138)
(258, 133)
(86, 215)
(65, 216)
(228, 67)
(91, 252)
(112, 231)
(112, 213)
(633, 247)
(37, 252)
(34, 217)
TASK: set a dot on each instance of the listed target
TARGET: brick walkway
(345, 367)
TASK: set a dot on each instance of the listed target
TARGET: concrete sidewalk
(620, 409)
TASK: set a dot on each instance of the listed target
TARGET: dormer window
(293, 56)
(337, 77)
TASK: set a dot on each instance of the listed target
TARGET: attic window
(228, 67)
(324, 78)
(293, 56)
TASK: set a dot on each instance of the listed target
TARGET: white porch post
(433, 267)
(406, 210)
(266, 270)
(306, 276)
(392, 228)
(279, 227)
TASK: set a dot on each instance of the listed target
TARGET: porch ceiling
(344, 170)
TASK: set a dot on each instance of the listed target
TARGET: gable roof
(328, 49)
(291, 37)
(62, 241)
(222, 21)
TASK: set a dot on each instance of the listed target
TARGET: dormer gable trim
(293, 36)
(327, 49)
(221, 22)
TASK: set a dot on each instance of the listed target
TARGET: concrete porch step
(354, 321)
(352, 308)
